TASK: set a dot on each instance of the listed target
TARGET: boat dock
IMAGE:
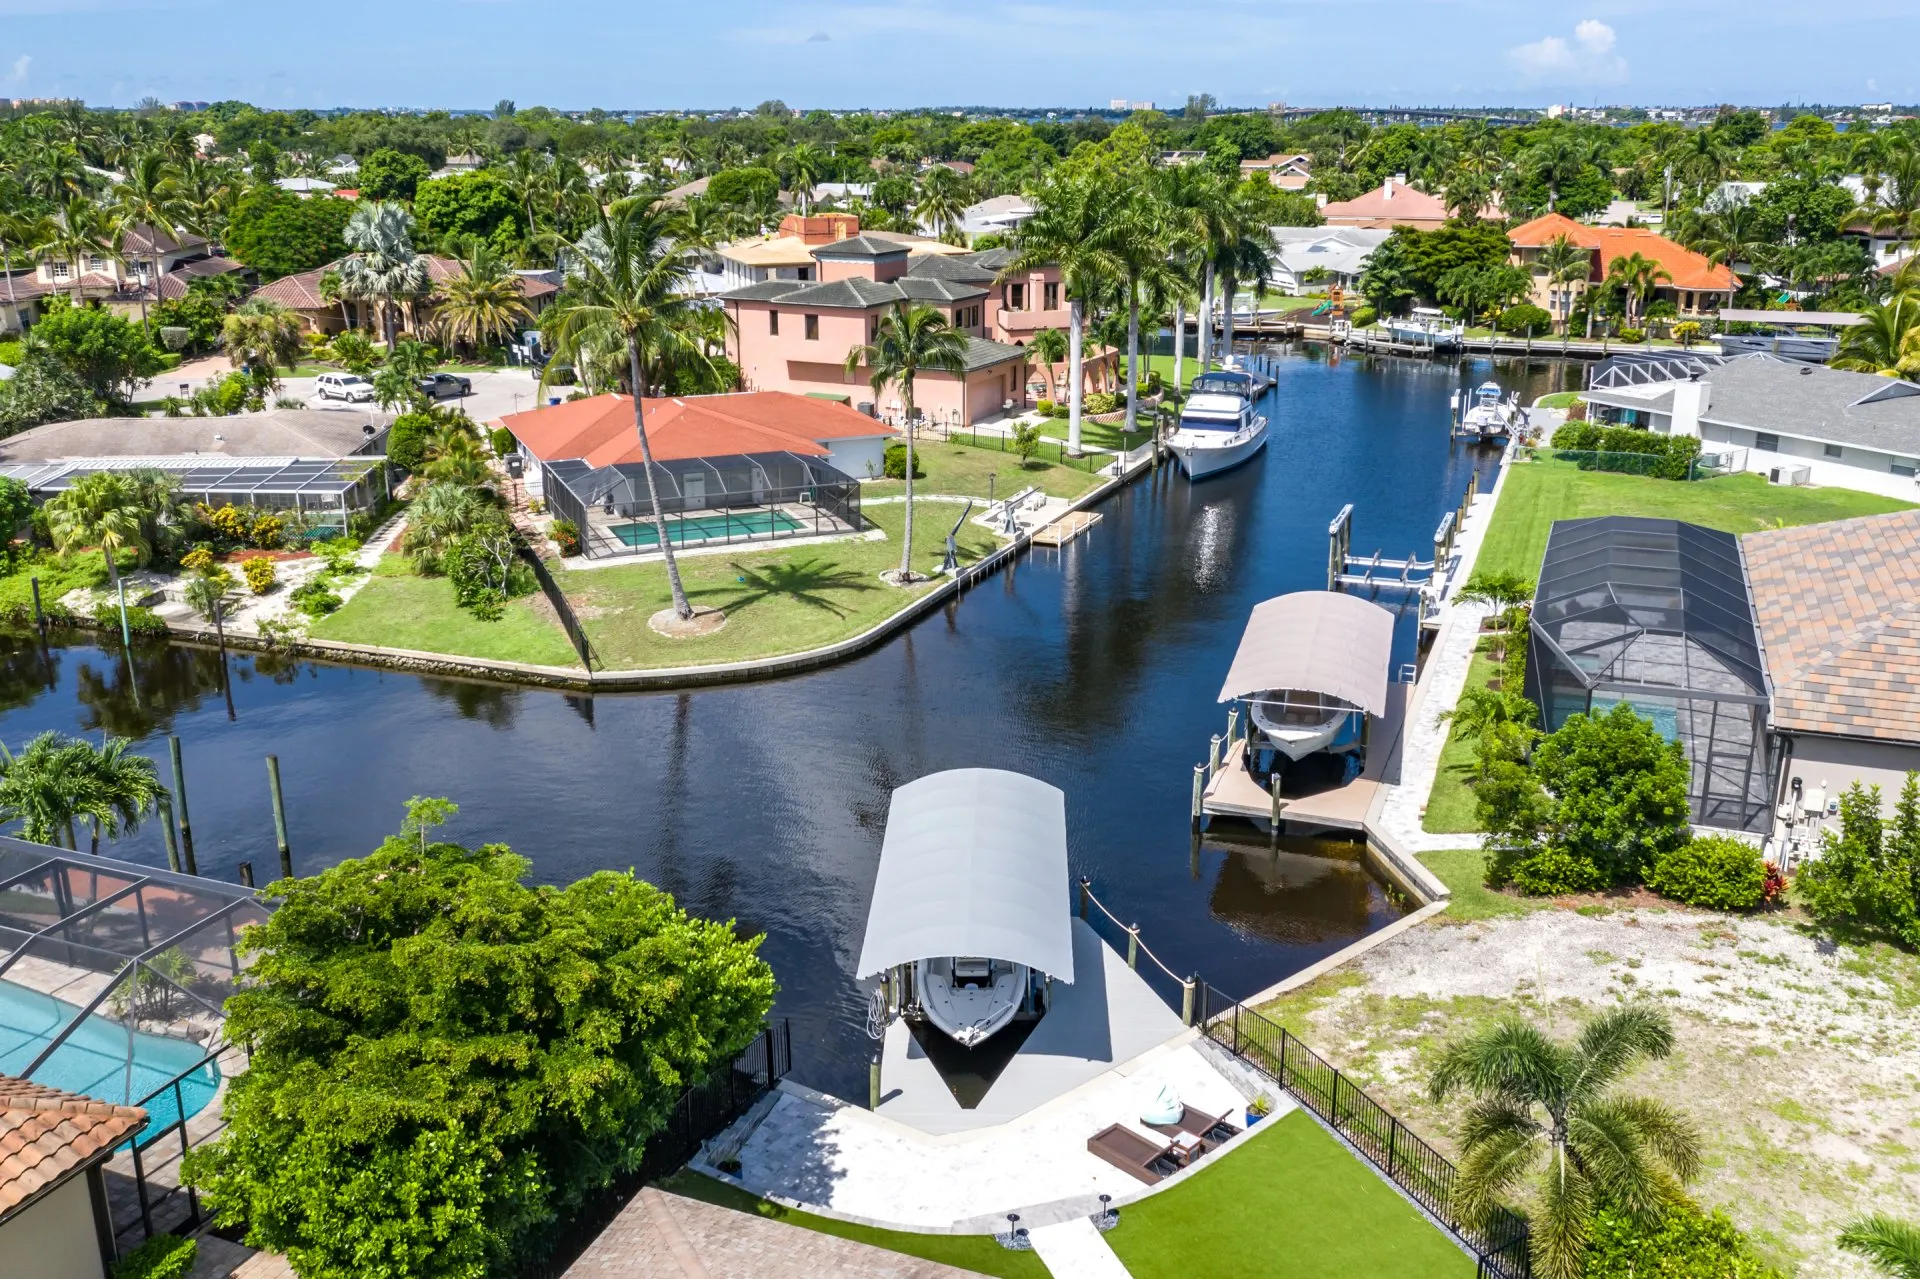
(1063, 530)
(1228, 790)
(1376, 572)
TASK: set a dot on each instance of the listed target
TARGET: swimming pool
(101, 1058)
(703, 528)
(1666, 719)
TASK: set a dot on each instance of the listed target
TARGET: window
(1831, 450)
(813, 328)
(1907, 469)
(1051, 295)
(1016, 297)
(773, 324)
(1766, 440)
(804, 273)
(59, 270)
(96, 264)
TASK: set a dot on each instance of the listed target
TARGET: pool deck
(1109, 1015)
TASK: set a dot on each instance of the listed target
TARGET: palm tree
(455, 457)
(805, 164)
(45, 787)
(261, 333)
(19, 229)
(1878, 343)
(1548, 1109)
(81, 231)
(149, 200)
(906, 341)
(1246, 252)
(442, 512)
(482, 305)
(383, 267)
(1068, 216)
(1892, 1245)
(102, 509)
(1557, 161)
(124, 788)
(943, 203)
(1183, 192)
(1134, 239)
(1637, 277)
(1049, 346)
(624, 289)
(1565, 263)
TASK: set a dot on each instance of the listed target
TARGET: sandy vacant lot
(1799, 1059)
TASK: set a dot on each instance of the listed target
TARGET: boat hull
(1200, 458)
(969, 1013)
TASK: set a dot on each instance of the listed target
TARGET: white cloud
(1588, 58)
(17, 76)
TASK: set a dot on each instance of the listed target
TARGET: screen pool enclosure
(1656, 614)
(746, 497)
(112, 981)
(324, 492)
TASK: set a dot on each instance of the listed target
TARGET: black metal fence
(1048, 449)
(561, 606)
(1422, 1172)
(701, 1113)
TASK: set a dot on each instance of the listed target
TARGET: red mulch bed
(235, 557)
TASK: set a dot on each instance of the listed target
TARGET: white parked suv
(343, 386)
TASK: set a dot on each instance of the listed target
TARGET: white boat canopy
(974, 863)
(1317, 641)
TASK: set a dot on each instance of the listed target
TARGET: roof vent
(1806, 370)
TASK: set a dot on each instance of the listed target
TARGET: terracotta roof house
(1393, 204)
(1695, 286)
(301, 293)
(54, 1219)
(738, 467)
(120, 283)
(1288, 172)
(1838, 607)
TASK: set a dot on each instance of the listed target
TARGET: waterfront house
(1793, 422)
(301, 295)
(729, 468)
(120, 283)
(787, 254)
(1393, 204)
(1339, 252)
(54, 1148)
(1696, 287)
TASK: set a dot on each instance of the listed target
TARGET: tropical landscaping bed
(1795, 1052)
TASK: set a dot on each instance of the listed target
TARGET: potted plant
(1259, 1108)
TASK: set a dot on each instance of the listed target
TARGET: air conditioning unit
(1789, 475)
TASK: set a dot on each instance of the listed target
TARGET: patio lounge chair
(1133, 1154)
(1211, 1129)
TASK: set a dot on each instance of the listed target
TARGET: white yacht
(1492, 415)
(1426, 326)
(1218, 428)
(971, 922)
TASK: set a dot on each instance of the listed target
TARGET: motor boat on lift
(1311, 666)
(1492, 415)
(970, 923)
(1218, 428)
(1426, 326)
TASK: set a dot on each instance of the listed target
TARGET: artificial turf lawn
(776, 600)
(398, 609)
(962, 470)
(1539, 492)
(978, 1253)
(1290, 1202)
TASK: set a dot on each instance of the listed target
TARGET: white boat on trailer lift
(971, 920)
(1311, 666)
(1490, 415)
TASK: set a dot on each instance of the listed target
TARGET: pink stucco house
(794, 335)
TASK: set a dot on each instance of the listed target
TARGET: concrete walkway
(1076, 1250)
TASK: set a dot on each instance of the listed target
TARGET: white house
(1339, 251)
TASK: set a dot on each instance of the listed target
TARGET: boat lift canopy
(1317, 641)
(974, 863)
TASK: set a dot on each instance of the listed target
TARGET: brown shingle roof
(47, 1136)
(1839, 612)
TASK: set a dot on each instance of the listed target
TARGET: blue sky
(846, 53)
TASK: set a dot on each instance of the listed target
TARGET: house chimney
(1319, 199)
(1386, 189)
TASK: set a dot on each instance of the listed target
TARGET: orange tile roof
(1689, 269)
(47, 1136)
(599, 430)
(1396, 201)
(1839, 614)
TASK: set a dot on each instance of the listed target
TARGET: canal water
(1095, 667)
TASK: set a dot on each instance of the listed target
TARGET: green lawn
(963, 469)
(978, 1253)
(1099, 435)
(1291, 1201)
(776, 601)
(1539, 492)
(399, 610)
(1559, 400)
(1450, 804)
(1464, 872)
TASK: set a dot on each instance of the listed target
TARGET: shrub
(229, 521)
(1686, 332)
(1868, 869)
(1685, 1244)
(12, 354)
(567, 534)
(1043, 407)
(1060, 411)
(143, 621)
(1365, 316)
(502, 440)
(267, 532)
(407, 439)
(1026, 440)
(1674, 453)
(1716, 871)
(1102, 402)
(1632, 335)
(198, 560)
(161, 1257)
(261, 574)
(896, 463)
(315, 598)
(1525, 318)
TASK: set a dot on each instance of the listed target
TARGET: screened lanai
(1655, 613)
(746, 497)
(326, 492)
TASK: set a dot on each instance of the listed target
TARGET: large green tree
(470, 204)
(447, 1061)
(279, 234)
(110, 355)
(388, 174)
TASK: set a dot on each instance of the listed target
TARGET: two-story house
(122, 281)
(1696, 286)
